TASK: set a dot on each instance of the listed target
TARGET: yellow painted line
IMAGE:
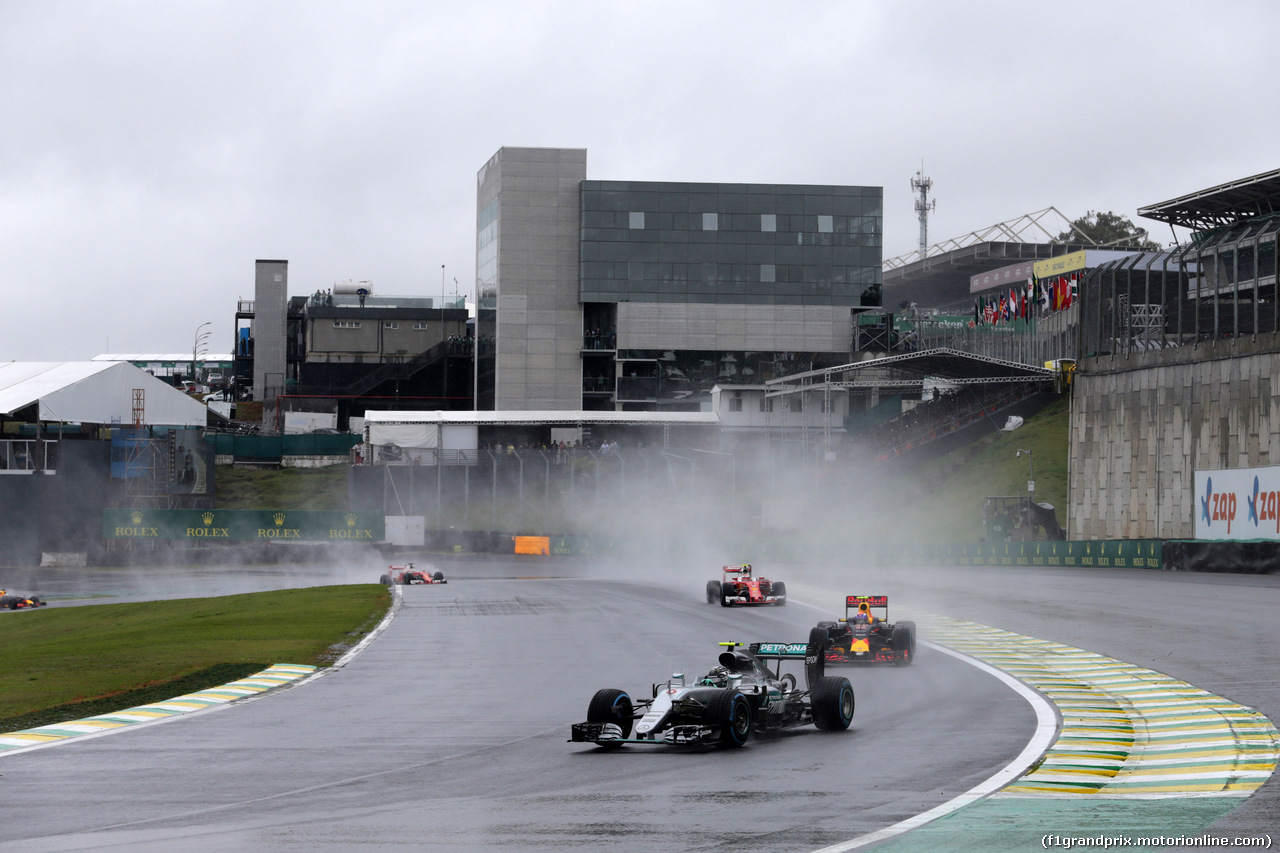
(254, 685)
(1126, 731)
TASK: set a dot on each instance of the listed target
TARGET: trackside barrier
(1132, 554)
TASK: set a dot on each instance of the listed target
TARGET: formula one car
(864, 636)
(739, 586)
(725, 706)
(18, 602)
(409, 575)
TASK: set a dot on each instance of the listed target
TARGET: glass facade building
(747, 244)
(641, 296)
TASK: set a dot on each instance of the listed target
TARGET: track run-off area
(1137, 723)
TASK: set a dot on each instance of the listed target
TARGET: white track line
(1043, 737)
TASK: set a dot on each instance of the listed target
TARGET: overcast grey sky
(152, 150)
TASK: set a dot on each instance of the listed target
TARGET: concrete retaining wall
(1142, 424)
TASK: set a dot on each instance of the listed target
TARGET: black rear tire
(727, 591)
(385, 580)
(833, 703)
(713, 591)
(904, 640)
(731, 711)
(780, 590)
(611, 705)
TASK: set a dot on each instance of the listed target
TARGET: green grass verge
(274, 488)
(952, 488)
(63, 663)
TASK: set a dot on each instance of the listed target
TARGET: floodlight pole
(1031, 483)
(195, 346)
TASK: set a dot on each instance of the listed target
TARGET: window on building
(419, 327)
(710, 222)
(768, 222)
(390, 325)
(768, 272)
(346, 324)
(766, 404)
(825, 224)
(637, 219)
(735, 405)
(797, 403)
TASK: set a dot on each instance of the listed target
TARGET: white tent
(92, 392)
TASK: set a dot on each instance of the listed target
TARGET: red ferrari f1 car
(865, 634)
(18, 602)
(407, 574)
(739, 586)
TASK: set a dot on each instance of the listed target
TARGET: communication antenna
(922, 185)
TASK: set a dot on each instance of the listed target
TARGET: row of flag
(1037, 298)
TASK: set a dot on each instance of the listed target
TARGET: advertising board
(1238, 503)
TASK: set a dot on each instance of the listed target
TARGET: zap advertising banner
(1239, 503)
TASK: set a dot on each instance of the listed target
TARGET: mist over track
(449, 731)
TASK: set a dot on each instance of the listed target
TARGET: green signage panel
(244, 524)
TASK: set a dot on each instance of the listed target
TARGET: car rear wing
(733, 570)
(811, 654)
(779, 651)
(852, 601)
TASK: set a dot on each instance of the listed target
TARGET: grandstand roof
(911, 370)
(942, 280)
(1225, 204)
(549, 418)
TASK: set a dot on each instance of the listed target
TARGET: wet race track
(449, 730)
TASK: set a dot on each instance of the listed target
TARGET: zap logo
(1218, 507)
(1264, 506)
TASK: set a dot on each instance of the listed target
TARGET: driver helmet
(746, 568)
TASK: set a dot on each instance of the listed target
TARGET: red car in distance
(738, 585)
(407, 574)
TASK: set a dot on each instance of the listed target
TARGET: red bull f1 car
(407, 574)
(18, 602)
(740, 696)
(739, 586)
(865, 634)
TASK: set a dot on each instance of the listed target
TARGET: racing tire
(13, 605)
(35, 601)
(731, 712)
(815, 657)
(727, 591)
(385, 580)
(780, 590)
(438, 576)
(611, 705)
(904, 640)
(833, 703)
(713, 591)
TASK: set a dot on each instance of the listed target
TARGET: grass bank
(63, 663)
(275, 488)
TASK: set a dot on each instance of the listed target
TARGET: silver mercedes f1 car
(725, 706)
